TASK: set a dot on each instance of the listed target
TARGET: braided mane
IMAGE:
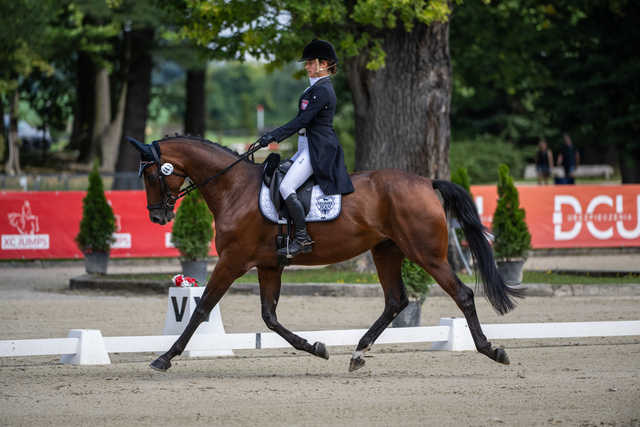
(204, 141)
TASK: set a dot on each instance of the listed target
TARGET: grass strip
(328, 275)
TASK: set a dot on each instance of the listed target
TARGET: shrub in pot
(97, 226)
(191, 235)
(512, 238)
(417, 283)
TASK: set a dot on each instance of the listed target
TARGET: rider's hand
(265, 140)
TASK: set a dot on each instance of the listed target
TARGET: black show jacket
(316, 108)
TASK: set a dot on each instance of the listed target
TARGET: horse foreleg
(270, 282)
(219, 282)
(388, 259)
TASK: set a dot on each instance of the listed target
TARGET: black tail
(458, 202)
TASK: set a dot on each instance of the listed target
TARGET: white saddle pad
(322, 208)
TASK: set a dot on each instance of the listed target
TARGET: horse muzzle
(161, 216)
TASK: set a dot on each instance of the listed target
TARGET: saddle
(273, 173)
(317, 206)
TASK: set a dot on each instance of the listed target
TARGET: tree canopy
(519, 69)
(525, 69)
(377, 41)
(277, 30)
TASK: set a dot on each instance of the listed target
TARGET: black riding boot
(301, 242)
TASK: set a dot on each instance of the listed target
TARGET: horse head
(162, 181)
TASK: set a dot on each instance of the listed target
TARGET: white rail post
(459, 336)
(91, 348)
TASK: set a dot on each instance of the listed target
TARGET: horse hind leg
(464, 298)
(270, 283)
(388, 259)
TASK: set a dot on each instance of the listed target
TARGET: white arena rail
(89, 347)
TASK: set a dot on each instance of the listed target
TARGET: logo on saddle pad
(325, 204)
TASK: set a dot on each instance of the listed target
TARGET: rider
(319, 152)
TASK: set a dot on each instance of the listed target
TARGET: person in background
(544, 162)
(569, 159)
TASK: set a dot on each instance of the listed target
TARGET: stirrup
(296, 247)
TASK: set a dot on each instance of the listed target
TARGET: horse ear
(145, 150)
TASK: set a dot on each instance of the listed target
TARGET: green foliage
(460, 176)
(193, 228)
(23, 40)
(234, 89)
(497, 77)
(416, 280)
(98, 221)
(512, 238)
(524, 69)
(345, 129)
(283, 27)
(484, 154)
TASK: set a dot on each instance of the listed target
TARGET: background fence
(67, 181)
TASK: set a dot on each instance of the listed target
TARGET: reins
(169, 199)
(252, 149)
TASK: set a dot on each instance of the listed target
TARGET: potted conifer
(191, 235)
(97, 226)
(416, 282)
(512, 239)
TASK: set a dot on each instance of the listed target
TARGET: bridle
(166, 169)
(163, 170)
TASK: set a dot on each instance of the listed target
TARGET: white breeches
(299, 171)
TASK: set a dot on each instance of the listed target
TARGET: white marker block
(91, 348)
(181, 305)
(459, 336)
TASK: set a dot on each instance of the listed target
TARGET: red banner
(573, 216)
(45, 224)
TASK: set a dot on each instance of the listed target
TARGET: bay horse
(393, 214)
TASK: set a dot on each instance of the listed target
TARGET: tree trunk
(102, 111)
(194, 121)
(113, 134)
(107, 132)
(12, 165)
(136, 110)
(3, 134)
(402, 110)
(83, 109)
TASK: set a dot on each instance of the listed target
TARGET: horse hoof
(160, 364)
(320, 350)
(356, 364)
(501, 356)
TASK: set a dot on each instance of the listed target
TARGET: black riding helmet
(320, 49)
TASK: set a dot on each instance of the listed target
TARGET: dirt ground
(585, 382)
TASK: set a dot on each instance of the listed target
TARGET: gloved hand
(265, 140)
